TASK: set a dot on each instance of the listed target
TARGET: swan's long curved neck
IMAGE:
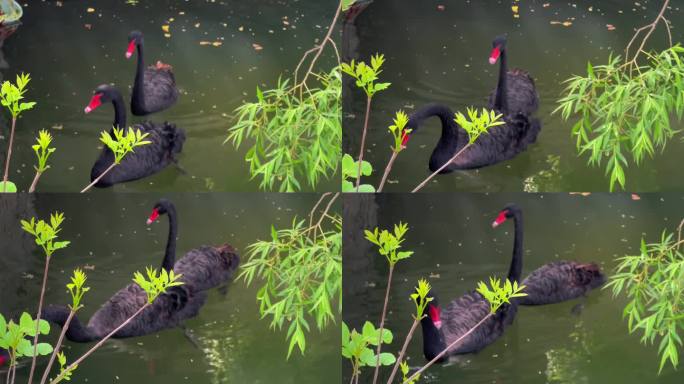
(170, 254)
(76, 332)
(139, 75)
(500, 101)
(119, 111)
(450, 130)
(433, 342)
(515, 270)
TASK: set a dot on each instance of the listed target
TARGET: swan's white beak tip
(88, 109)
(128, 55)
(495, 224)
(492, 60)
(149, 221)
(438, 324)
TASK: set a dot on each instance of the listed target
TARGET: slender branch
(65, 327)
(382, 324)
(5, 178)
(388, 168)
(14, 370)
(316, 206)
(441, 354)
(327, 208)
(98, 345)
(421, 185)
(363, 141)
(650, 28)
(40, 311)
(35, 182)
(400, 357)
(98, 178)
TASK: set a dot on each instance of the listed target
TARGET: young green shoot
(13, 338)
(154, 284)
(421, 300)
(12, 97)
(43, 151)
(389, 245)
(356, 347)
(400, 135)
(496, 294)
(366, 77)
(121, 143)
(475, 125)
(45, 234)
(76, 289)
(350, 169)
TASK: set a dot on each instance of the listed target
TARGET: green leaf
(7, 187)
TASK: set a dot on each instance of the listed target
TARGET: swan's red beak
(131, 49)
(494, 56)
(435, 312)
(153, 216)
(405, 139)
(499, 219)
(95, 102)
(3, 360)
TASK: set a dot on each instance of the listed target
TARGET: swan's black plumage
(166, 142)
(202, 269)
(501, 143)
(561, 281)
(154, 87)
(442, 327)
(515, 92)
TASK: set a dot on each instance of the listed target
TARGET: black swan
(501, 143)
(202, 269)
(560, 281)
(442, 327)
(166, 142)
(154, 88)
(515, 92)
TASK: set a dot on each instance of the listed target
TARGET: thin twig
(441, 354)
(5, 178)
(65, 327)
(327, 208)
(382, 324)
(98, 345)
(40, 312)
(35, 182)
(400, 357)
(363, 141)
(388, 168)
(651, 27)
(316, 206)
(98, 178)
(421, 185)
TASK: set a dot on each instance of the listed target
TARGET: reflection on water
(69, 51)
(110, 241)
(580, 341)
(437, 52)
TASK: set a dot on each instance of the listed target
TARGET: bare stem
(363, 141)
(388, 168)
(98, 345)
(650, 28)
(382, 324)
(40, 311)
(35, 182)
(98, 178)
(421, 185)
(5, 178)
(321, 46)
(65, 327)
(400, 357)
(441, 354)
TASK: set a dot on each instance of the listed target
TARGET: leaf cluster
(367, 75)
(46, 233)
(350, 171)
(478, 123)
(624, 111)
(43, 150)
(301, 271)
(420, 297)
(77, 288)
(13, 336)
(498, 294)
(389, 243)
(356, 346)
(12, 95)
(653, 281)
(156, 283)
(294, 135)
(399, 131)
(122, 142)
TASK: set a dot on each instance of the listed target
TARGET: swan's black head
(162, 207)
(433, 311)
(509, 211)
(103, 94)
(135, 38)
(498, 46)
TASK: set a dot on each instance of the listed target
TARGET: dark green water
(111, 241)
(455, 247)
(441, 56)
(69, 52)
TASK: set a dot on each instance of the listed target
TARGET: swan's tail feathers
(174, 137)
(161, 66)
(231, 255)
(76, 332)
